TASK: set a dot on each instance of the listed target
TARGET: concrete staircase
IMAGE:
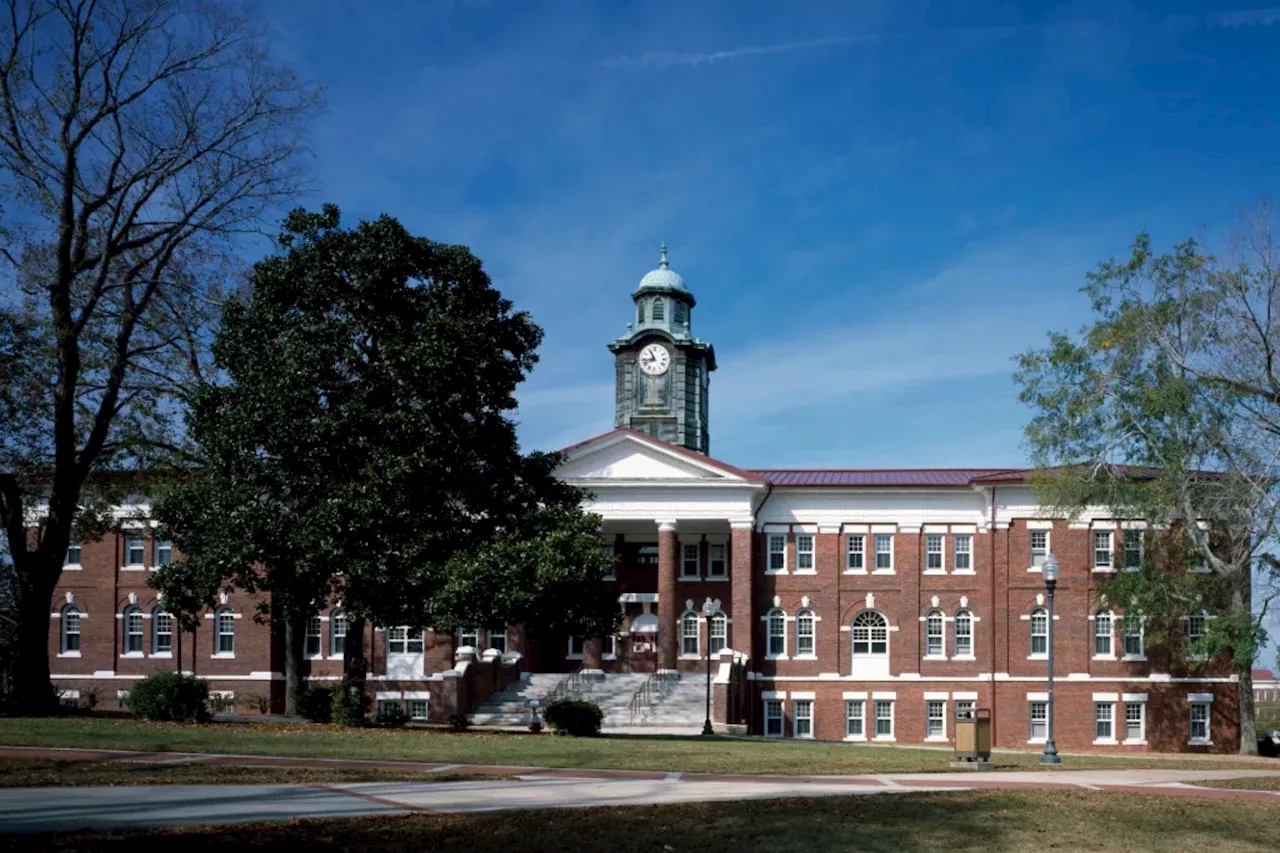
(678, 704)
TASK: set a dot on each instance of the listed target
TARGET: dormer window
(681, 315)
(659, 310)
(639, 313)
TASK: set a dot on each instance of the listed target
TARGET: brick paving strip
(1161, 781)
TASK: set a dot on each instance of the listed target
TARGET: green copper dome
(664, 278)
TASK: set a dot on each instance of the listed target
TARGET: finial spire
(663, 262)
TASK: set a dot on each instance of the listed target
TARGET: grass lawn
(1030, 821)
(42, 773)
(687, 754)
(1253, 783)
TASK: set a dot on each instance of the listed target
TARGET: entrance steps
(680, 704)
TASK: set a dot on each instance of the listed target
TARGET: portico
(680, 526)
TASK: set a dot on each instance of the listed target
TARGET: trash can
(973, 735)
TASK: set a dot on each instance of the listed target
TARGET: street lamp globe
(1050, 569)
(710, 606)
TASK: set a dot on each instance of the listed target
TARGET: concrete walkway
(63, 809)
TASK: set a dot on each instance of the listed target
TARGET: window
(1039, 632)
(884, 552)
(133, 551)
(804, 633)
(884, 718)
(773, 718)
(804, 553)
(396, 640)
(1102, 634)
(1200, 722)
(935, 719)
(1195, 634)
(933, 645)
(677, 308)
(70, 630)
(162, 551)
(607, 646)
(337, 634)
(964, 708)
(717, 564)
(870, 634)
(612, 572)
(1133, 646)
(416, 641)
(718, 633)
(575, 648)
(417, 709)
(964, 634)
(639, 313)
(855, 718)
(1039, 547)
(388, 707)
(777, 552)
(933, 552)
(802, 711)
(225, 630)
(659, 310)
(1103, 713)
(855, 548)
(963, 545)
(1102, 549)
(312, 648)
(73, 554)
(133, 631)
(161, 632)
(1132, 550)
(777, 633)
(469, 637)
(1039, 717)
(498, 639)
(1135, 728)
(689, 634)
(689, 561)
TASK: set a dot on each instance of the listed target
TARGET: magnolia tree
(1167, 409)
(139, 139)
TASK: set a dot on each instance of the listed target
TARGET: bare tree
(140, 141)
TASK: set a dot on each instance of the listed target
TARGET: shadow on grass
(1005, 821)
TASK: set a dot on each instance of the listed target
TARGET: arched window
(777, 622)
(804, 633)
(1039, 631)
(870, 635)
(689, 634)
(1195, 634)
(161, 631)
(70, 630)
(964, 634)
(337, 633)
(133, 630)
(659, 310)
(314, 627)
(1103, 634)
(934, 643)
(225, 631)
(717, 635)
(640, 313)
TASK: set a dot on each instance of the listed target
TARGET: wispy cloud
(1245, 18)
(665, 59)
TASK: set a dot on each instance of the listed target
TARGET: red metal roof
(896, 477)
(1263, 675)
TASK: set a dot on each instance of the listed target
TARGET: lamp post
(1050, 570)
(709, 608)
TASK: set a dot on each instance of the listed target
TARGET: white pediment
(630, 457)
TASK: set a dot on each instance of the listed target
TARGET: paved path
(54, 809)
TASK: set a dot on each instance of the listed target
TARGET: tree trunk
(355, 665)
(295, 628)
(1241, 607)
(1248, 727)
(30, 691)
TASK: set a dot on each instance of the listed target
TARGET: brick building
(859, 605)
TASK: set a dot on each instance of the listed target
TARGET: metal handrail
(655, 687)
(570, 687)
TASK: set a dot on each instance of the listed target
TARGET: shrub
(578, 718)
(89, 698)
(316, 704)
(349, 707)
(392, 715)
(459, 722)
(169, 695)
(257, 702)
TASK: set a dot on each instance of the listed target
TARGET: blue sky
(877, 204)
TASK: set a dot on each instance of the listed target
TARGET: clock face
(654, 359)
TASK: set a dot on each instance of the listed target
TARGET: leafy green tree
(138, 140)
(362, 450)
(1167, 408)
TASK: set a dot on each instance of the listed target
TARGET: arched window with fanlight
(964, 634)
(805, 633)
(1039, 632)
(776, 622)
(718, 631)
(934, 639)
(689, 634)
(224, 623)
(132, 630)
(337, 633)
(870, 635)
(161, 631)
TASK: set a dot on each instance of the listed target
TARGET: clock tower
(663, 372)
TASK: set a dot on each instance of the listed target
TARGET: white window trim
(972, 570)
(815, 619)
(785, 630)
(1139, 699)
(769, 552)
(942, 555)
(814, 553)
(864, 569)
(892, 699)
(803, 697)
(696, 544)
(714, 578)
(1033, 699)
(1048, 544)
(569, 653)
(875, 570)
(1093, 551)
(928, 738)
(1200, 699)
(1110, 700)
(698, 622)
(779, 696)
